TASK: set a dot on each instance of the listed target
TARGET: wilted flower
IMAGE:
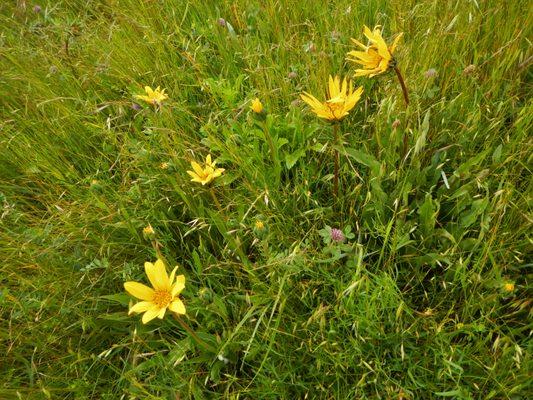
(257, 106)
(153, 96)
(163, 165)
(309, 47)
(37, 9)
(292, 75)
(136, 107)
(221, 22)
(470, 69)
(375, 58)
(430, 73)
(396, 123)
(206, 174)
(163, 295)
(341, 98)
(337, 235)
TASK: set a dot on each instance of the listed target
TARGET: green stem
(217, 203)
(336, 160)
(189, 330)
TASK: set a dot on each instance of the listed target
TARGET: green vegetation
(428, 297)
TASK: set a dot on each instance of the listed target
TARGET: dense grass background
(414, 306)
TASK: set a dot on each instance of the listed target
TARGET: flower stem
(402, 84)
(189, 330)
(336, 160)
(217, 203)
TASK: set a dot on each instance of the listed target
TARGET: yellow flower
(206, 174)
(257, 106)
(163, 295)
(376, 57)
(148, 230)
(259, 225)
(509, 286)
(341, 99)
(153, 96)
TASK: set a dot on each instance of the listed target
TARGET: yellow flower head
(341, 99)
(375, 58)
(257, 106)
(259, 225)
(148, 230)
(163, 295)
(509, 287)
(153, 96)
(207, 173)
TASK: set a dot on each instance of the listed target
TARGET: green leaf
(291, 159)
(364, 158)
(424, 128)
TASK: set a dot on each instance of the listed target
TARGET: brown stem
(336, 159)
(194, 335)
(402, 84)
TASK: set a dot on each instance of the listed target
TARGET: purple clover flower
(337, 235)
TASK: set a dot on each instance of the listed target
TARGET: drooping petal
(139, 290)
(362, 72)
(208, 159)
(177, 307)
(358, 43)
(311, 100)
(193, 174)
(216, 173)
(140, 307)
(392, 48)
(150, 314)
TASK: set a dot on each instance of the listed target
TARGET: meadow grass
(427, 298)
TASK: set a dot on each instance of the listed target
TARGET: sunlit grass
(427, 294)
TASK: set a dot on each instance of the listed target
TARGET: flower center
(336, 108)
(162, 298)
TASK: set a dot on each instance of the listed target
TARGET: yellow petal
(331, 88)
(172, 274)
(177, 306)
(358, 43)
(311, 100)
(161, 313)
(148, 90)
(150, 314)
(208, 159)
(162, 275)
(142, 306)
(156, 278)
(199, 170)
(193, 174)
(179, 285)
(395, 43)
(139, 290)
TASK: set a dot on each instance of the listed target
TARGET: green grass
(413, 306)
